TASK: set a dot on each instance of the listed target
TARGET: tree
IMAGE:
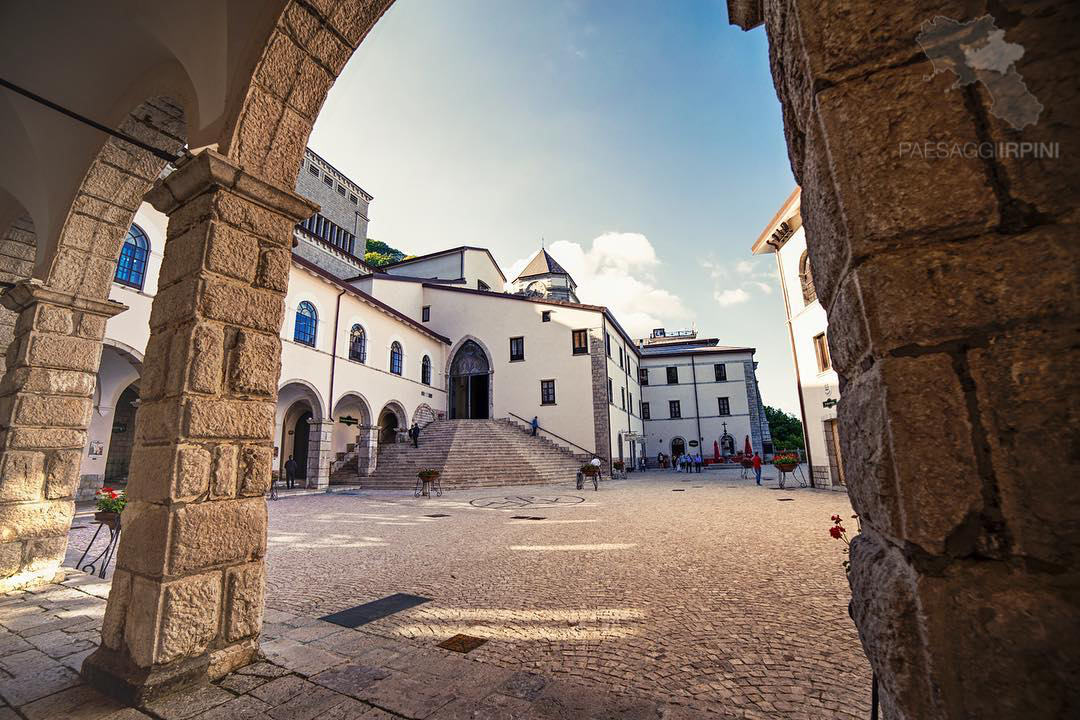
(787, 430)
(378, 253)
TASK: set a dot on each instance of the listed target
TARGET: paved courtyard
(702, 590)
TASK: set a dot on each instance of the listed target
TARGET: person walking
(535, 424)
(757, 468)
(697, 462)
(414, 433)
(290, 472)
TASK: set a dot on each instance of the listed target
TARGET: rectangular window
(328, 180)
(721, 372)
(313, 170)
(547, 392)
(643, 376)
(622, 394)
(724, 406)
(674, 408)
(610, 392)
(353, 199)
(545, 316)
(341, 191)
(620, 357)
(581, 342)
(607, 343)
(425, 313)
(673, 376)
(645, 411)
(821, 348)
(517, 349)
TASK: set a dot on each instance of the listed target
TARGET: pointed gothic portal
(470, 383)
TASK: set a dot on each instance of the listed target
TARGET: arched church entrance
(470, 383)
(678, 447)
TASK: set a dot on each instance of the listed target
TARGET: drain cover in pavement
(437, 515)
(785, 499)
(527, 517)
(679, 490)
(462, 643)
(375, 610)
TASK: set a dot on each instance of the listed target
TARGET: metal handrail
(554, 435)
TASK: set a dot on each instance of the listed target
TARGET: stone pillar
(949, 279)
(367, 450)
(320, 452)
(187, 595)
(46, 398)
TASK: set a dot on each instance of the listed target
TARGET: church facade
(367, 352)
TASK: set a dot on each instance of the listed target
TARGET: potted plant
(110, 504)
(619, 466)
(589, 469)
(428, 475)
(786, 461)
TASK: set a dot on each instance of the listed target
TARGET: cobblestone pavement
(722, 597)
(724, 594)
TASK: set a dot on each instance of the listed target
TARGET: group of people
(682, 463)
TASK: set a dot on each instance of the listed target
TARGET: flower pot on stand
(108, 518)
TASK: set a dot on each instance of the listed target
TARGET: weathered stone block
(255, 220)
(273, 273)
(10, 558)
(254, 473)
(153, 477)
(190, 616)
(53, 410)
(310, 88)
(211, 534)
(239, 419)
(223, 479)
(256, 363)
(232, 252)
(91, 326)
(23, 476)
(53, 319)
(53, 382)
(192, 478)
(849, 338)
(1022, 381)
(56, 351)
(159, 420)
(112, 626)
(174, 303)
(44, 554)
(142, 623)
(46, 438)
(205, 355)
(244, 600)
(826, 231)
(62, 473)
(22, 521)
(870, 117)
(242, 305)
(146, 538)
(278, 70)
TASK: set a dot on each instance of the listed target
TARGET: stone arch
(305, 388)
(453, 391)
(806, 279)
(354, 434)
(424, 415)
(392, 421)
(18, 248)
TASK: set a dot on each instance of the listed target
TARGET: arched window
(357, 344)
(809, 294)
(425, 370)
(306, 322)
(395, 358)
(131, 267)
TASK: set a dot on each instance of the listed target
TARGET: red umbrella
(747, 450)
(716, 451)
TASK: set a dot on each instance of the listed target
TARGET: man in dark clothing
(290, 472)
(535, 424)
(414, 433)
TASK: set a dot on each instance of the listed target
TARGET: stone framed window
(672, 375)
(720, 371)
(307, 322)
(425, 314)
(517, 349)
(821, 350)
(425, 370)
(806, 279)
(610, 392)
(674, 408)
(357, 344)
(645, 411)
(723, 406)
(396, 357)
(643, 376)
(547, 392)
(580, 340)
(622, 394)
(131, 267)
(607, 343)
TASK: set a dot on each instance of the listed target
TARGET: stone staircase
(474, 453)
(343, 468)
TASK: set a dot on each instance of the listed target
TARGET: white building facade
(807, 326)
(366, 351)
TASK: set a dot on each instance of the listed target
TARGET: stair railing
(554, 435)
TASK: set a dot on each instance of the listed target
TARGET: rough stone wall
(601, 408)
(950, 289)
(759, 426)
(17, 250)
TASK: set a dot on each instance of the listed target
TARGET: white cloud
(731, 297)
(615, 271)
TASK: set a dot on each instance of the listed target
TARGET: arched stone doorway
(470, 383)
(354, 440)
(678, 447)
(391, 420)
(296, 438)
(118, 461)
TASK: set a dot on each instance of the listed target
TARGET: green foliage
(787, 431)
(378, 253)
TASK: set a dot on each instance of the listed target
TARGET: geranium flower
(836, 531)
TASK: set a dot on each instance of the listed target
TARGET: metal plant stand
(424, 487)
(100, 563)
(796, 474)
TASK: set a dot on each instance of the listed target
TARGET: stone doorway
(678, 447)
(388, 427)
(470, 383)
(123, 437)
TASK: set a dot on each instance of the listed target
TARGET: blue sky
(652, 126)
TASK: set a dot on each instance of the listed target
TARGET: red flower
(836, 531)
(836, 518)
